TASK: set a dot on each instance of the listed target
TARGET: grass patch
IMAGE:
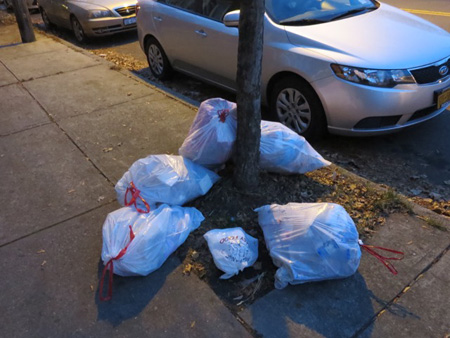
(390, 202)
(433, 223)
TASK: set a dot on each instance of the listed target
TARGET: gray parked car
(356, 67)
(90, 18)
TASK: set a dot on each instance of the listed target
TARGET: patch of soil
(7, 18)
(225, 207)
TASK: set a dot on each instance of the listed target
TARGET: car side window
(194, 6)
(216, 9)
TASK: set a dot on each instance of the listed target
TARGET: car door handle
(157, 18)
(201, 32)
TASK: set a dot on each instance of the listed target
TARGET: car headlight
(99, 13)
(373, 77)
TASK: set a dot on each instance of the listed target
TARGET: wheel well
(146, 40)
(281, 75)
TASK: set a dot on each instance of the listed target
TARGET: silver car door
(218, 49)
(177, 29)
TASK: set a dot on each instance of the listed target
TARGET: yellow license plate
(443, 97)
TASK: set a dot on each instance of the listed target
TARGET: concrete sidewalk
(70, 126)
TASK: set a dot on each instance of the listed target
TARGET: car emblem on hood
(443, 70)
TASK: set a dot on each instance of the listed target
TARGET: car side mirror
(231, 19)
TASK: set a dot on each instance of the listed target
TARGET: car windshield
(310, 12)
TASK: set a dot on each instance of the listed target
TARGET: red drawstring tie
(110, 266)
(381, 258)
(135, 194)
(223, 114)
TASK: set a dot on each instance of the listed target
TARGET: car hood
(386, 38)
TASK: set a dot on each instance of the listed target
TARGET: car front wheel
(78, 30)
(48, 24)
(295, 104)
(157, 60)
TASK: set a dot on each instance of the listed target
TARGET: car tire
(296, 105)
(157, 59)
(78, 30)
(47, 23)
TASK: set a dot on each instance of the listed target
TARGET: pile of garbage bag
(164, 179)
(309, 241)
(233, 250)
(284, 151)
(210, 141)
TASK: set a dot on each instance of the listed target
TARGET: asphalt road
(415, 161)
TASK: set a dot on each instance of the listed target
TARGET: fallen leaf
(92, 287)
(41, 251)
(107, 150)
(71, 191)
(100, 198)
(193, 324)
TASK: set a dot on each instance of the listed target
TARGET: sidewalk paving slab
(19, 111)
(52, 291)
(6, 77)
(419, 311)
(45, 180)
(9, 35)
(85, 90)
(150, 125)
(42, 45)
(50, 63)
(341, 308)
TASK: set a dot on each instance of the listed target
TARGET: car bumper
(107, 26)
(358, 110)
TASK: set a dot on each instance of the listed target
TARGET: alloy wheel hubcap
(78, 30)
(155, 59)
(293, 110)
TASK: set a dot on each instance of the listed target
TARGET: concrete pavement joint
(110, 106)
(70, 138)
(25, 129)
(401, 293)
(56, 224)
(59, 73)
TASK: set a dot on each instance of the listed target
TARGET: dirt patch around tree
(225, 207)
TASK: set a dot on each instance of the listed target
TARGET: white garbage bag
(163, 179)
(210, 141)
(136, 244)
(286, 152)
(310, 241)
(232, 250)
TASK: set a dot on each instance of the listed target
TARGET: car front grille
(430, 74)
(126, 11)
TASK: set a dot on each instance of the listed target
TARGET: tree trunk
(251, 32)
(23, 19)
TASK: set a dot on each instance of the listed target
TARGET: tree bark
(23, 19)
(251, 33)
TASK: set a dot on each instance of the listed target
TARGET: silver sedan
(90, 19)
(354, 67)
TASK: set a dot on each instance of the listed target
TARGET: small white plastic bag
(232, 250)
(136, 244)
(310, 241)
(163, 179)
(286, 152)
(210, 141)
